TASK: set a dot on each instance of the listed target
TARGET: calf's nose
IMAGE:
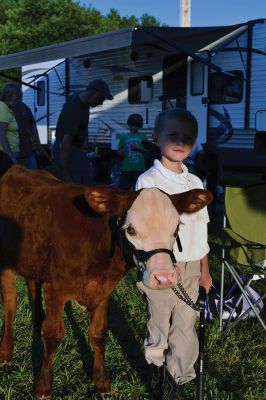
(163, 280)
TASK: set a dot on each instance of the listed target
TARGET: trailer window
(140, 90)
(226, 89)
(41, 93)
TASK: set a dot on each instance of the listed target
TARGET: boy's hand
(205, 281)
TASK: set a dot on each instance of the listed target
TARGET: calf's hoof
(101, 384)
(103, 389)
(43, 393)
(105, 395)
(6, 367)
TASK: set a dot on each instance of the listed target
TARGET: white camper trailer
(218, 73)
(49, 79)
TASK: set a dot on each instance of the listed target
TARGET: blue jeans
(29, 162)
(80, 168)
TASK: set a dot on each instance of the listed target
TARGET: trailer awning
(72, 48)
(187, 40)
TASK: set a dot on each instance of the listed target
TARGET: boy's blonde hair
(178, 114)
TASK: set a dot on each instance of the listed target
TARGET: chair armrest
(242, 241)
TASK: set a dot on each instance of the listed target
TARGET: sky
(203, 12)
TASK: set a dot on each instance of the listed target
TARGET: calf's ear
(109, 201)
(191, 201)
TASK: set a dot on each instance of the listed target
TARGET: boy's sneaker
(171, 390)
(157, 378)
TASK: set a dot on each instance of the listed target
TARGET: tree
(149, 20)
(38, 23)
(113, 21)
(42, 22)
(4, 6)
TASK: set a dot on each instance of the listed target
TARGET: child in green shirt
(130, 147)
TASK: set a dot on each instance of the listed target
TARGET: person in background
(195, 161)
(9, 138)
(28, 134)
(205, 162)
(70, 147)
(171, 346)
(213, 172)
(131, 149)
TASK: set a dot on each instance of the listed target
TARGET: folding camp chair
(245, 226)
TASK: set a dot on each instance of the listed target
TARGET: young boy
(171, 347)
(131, 149)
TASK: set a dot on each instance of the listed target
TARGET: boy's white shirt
(193, 228)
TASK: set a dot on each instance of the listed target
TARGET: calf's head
(150, 222)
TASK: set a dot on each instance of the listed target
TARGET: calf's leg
(9, 298)
(98, 333)
(53, 330)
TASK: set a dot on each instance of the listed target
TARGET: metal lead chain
(185, 297)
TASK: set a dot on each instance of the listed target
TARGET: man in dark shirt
(72, 132)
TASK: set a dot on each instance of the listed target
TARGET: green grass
(234, 361)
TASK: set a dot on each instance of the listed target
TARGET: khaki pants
(171, 333)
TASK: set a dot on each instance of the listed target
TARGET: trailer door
(41, 106)
(197, 95)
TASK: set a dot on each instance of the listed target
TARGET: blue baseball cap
(100, 86)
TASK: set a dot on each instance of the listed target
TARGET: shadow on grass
(38, 351)
(131, 347)
(121, 330)
(85, 352)
(84, 349)
(36, 346)
(37, 355)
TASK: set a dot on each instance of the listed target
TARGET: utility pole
(185, 13)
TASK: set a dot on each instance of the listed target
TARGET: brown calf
(62, 236)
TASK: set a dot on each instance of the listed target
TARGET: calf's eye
(131, 230)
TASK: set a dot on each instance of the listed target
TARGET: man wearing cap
(72, 132)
